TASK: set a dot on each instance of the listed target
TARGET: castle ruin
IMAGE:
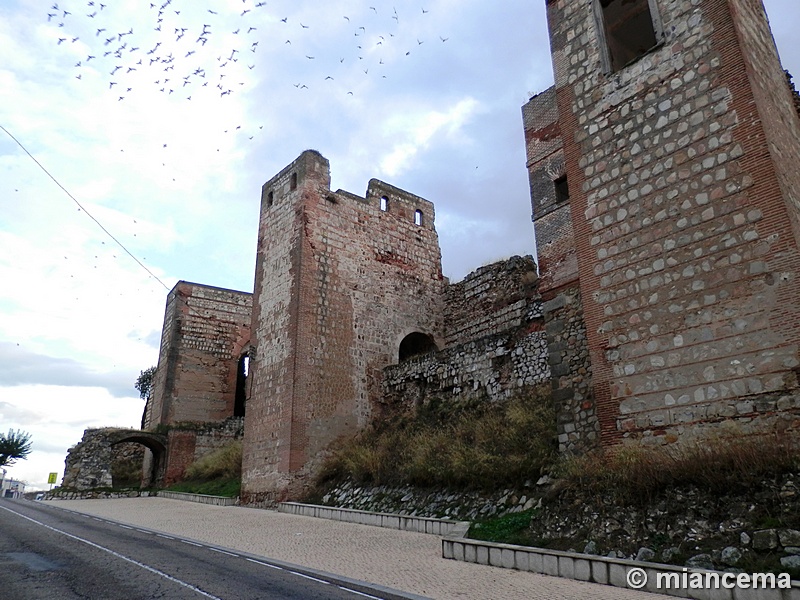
(664, 169)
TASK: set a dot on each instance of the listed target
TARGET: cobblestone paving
(411, 562)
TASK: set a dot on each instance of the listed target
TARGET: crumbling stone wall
(340, 282)
(206, 331)
(683, 176)
(89, 463)
(577, 423)
(489, 300)
(496, 346)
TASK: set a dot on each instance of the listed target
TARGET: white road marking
(309, 577)
(359, 593)
(192, 543)
(223, 552)
(117, 554)
(258, 562)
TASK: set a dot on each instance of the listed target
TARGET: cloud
(20, 367)
(408, 135)
(56, 417)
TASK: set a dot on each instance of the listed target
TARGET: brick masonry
(340, 282)
(683, 214)
(206, 331)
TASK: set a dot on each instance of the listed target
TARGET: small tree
(15, 445)
(144, 383)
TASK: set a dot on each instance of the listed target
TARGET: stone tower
(344, 285)
(206, 331)
(665, 180)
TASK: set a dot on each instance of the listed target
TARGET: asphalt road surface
(52, 554)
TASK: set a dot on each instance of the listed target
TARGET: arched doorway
(416, 343)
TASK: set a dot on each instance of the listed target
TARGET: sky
(136, 137)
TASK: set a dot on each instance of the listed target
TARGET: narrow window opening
(242, 372)
(630, 30)
(270, 198)
(562, 189)
(293, 183)
(384, 204)
(418, 217)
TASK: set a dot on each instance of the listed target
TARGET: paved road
(402, 560)
(46, 553)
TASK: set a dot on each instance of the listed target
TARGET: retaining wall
(390, 521)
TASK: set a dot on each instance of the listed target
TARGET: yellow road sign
(51, 478)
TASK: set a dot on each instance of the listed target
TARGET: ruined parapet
(490, 300)
(341, 281)
(496, 344)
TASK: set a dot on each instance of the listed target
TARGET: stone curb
(387, 520)
(200, 498)
(595, 569)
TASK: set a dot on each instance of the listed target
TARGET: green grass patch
(218, 473)
(228, 488)
(509, 529)
(444, 443)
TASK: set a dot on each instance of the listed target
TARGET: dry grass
(223, 463)
(468, 446)
(721, 463)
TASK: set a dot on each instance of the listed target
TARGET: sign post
(51, 479)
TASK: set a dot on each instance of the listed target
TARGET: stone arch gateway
(89, 462)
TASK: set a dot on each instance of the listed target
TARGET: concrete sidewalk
(410, 562)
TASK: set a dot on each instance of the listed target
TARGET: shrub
(723, 462)
(480, 445)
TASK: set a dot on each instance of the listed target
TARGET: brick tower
(343, 286)
(665, 181)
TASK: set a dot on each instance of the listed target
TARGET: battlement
(311, 171)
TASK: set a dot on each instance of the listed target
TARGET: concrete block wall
(612, 571)
(206, 331)
(387, 520)
(682, 173)
(341, 280)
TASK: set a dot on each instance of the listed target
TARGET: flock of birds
(183, 51)
(183, 48)
(188, 51)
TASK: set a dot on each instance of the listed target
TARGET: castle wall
(206, 330)
(496, 346)
(490, 300)
(339, 284)
(684, 219)
(568, 353)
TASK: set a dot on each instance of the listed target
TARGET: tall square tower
(343, 285)
(681, 156)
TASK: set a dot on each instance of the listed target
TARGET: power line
(81, 207)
